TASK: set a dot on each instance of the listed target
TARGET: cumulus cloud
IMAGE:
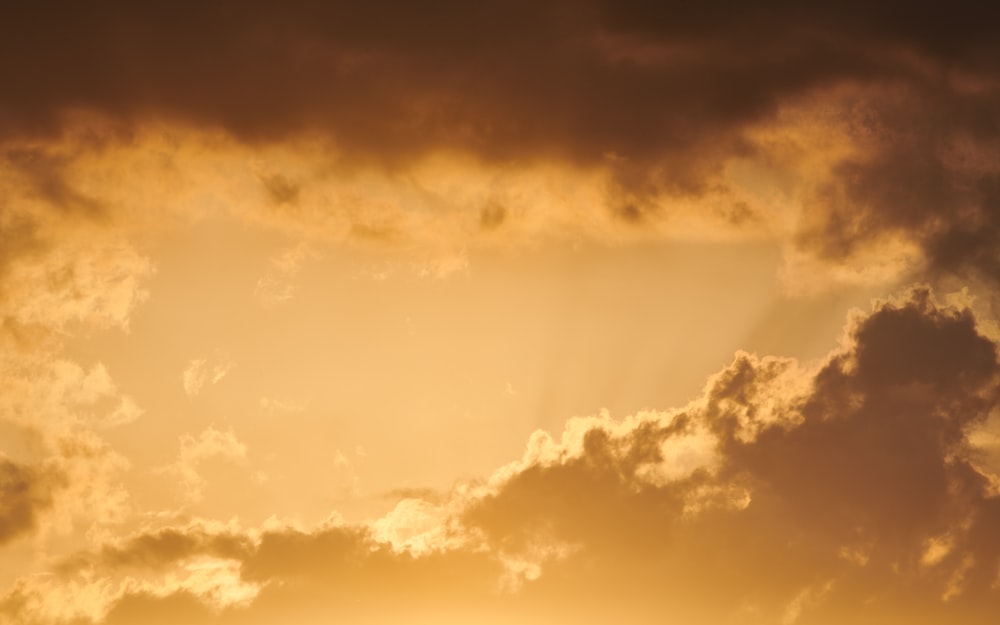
(821, 500)
(845, 489)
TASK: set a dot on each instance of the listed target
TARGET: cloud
(441, 268)
(822, 499)
(55, 413)
(23, 495)
(274, 406)
(450, 77)
(210, 444)
(848, 488)
(277, 285)
(74, 284)
(198, 373)
(264, 573)
(926, 173)
(196, 561)
(866, 139)
(76, 486)
(194, 377)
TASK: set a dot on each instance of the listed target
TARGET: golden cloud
(844, 489)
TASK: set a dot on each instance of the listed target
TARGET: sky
(499, 312)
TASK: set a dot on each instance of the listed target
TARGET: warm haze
(499, 312)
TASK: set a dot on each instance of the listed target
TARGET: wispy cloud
(200, 373)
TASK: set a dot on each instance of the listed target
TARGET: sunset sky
(499, 312)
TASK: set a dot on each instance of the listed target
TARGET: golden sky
(499, 312)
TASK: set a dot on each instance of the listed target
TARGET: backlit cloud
(691, 513)
(658, 113)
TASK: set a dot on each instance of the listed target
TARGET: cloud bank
(864, 137)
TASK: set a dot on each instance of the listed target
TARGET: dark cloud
(599, 487)
(492, 216)
(24, 494)
(507, 78)
(326, 573)
(931, 176)
(167, 546)
(882, 455)
(847, 483)
(45, 175)
(281, 190)
(955, 33)
(20, 235)
(662, 93)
